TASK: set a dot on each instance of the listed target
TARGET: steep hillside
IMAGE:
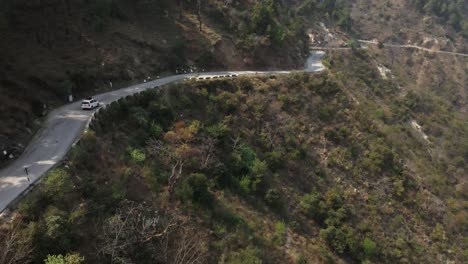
(296, 169)
(52, 48)
(411, 21)
(363, 163)
(424, 24)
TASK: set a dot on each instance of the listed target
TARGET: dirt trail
(374, 42)
(391, 46)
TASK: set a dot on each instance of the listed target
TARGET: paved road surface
(64, 126)
(314, 63)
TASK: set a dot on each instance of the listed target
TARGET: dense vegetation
(299, 168)
(335, 12)
(50, 49)
(338, 167)
(452, 12)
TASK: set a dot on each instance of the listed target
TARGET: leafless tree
(269, 133)
(190, 246)
(207, 151)
(169, 238)
(176, 161)
(177, 150)
(15, 246)
(236, 143)
(132, 225)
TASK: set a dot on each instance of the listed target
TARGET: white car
(89, 103)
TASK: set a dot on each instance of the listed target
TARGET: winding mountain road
(373, 42)
(413, 47)
(64, 126)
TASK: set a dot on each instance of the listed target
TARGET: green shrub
(160, 112)
(274, 159)
(280, 235)
(438, 234)
(258, 171)
(249, 255)
(227, 101)
(336, 217)
(140, 116)
(353, 44)
(312, 205)
(262, 16)
(244, 158)
(195, 188)
(341, 239)
(57, 184)
(88, 140)
(325, 113)
(380, 157)
(29, 205)
(155, 130)
(227, 217)
(218, 130)
(137, 155)
(248, 155)
(184, 191)
(334, 199)
(245, 184)
(337, 136)
(302, 259)
(67, 259)
(326, 255)
(119, 192)
(276, 33)
(344, 20)
(369, 247)
(57, 228)
(285, 101)
(83, 152)
(273, 198)
(199, 184)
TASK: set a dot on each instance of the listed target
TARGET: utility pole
(26, 170)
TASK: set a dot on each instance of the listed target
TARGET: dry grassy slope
(398, 22)
(430, 164)
(47, 42)
(322, 140)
